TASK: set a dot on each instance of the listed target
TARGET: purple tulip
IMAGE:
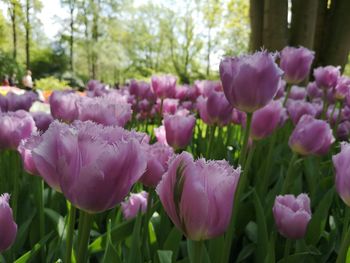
(134, 204)
(169, 106)
(140, 89)
(94, 166)
(192, 94)
(20, 102)
(104, 110)
(94, 88)
(205, 87)
(341, 162)
(292, 215)
(296, 63)
(63, 105)
(239, 117)
(160, 135)
(25, 149)
(280, 90)
(218, 108)
(343, 87)
(42, 120)
(311, 136)
(313, 91)
(179, 130)
(158, 155)
(343, 131)
(181, 92)
(201, 106)
(8, 227)
(3, 103)
(250, 82)
(164, 86)
(327, 77)
(298, 108)
(266, 120)
(297, 93)
(15, 126)
(198, 195)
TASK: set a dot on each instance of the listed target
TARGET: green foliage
(9, 66)
(51, 83)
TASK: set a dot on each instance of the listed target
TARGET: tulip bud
(327, 77)
(63, 105)
(343, 87)
(297, 93)
(292, 215)
(15, 126)
(8, 227)
(158, 155)
(191, 191)
(160, 134)
(164, 86)
(311, 136)
(266, 120)
(298, 108)
(250, 82)
(134, 204)
(313, 91)
(25, 149)
(296, 63)
(179, 130)
(341, 162)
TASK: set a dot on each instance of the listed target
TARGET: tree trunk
(321, 22)
(337, 46)
(304, 16)
(27, 28)
(256, 14)
(14, 28)
(275, 30)
(71, 41)
(208, 51)
(95, 33)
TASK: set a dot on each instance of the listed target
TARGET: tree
(320, 25)
(71, 6)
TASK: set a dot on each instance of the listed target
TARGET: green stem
(289, 177)
(211, 138)
(287, 248)
(325, 104)
(289, 88)
(15, 165)
(338, 118)
(70, 231)
(84, 236)
(239, 191)
(245, 140)
(196, 251)
(40, 190)
(345, 238)
(264, 182)
(161, 111)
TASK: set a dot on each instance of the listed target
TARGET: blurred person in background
(27, 81)
(13, 80)
(5, 80)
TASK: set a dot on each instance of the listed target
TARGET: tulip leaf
(23, 231)
(246, 252)
(35, 249)
(111, 254)
(297, 257)
(57, 219)
(165, 256)
(263, 238)
(172, 242)
(215, 248)
(118, 233)
(319, 219)
(134, 255)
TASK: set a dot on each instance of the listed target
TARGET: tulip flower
(140, 89)
(8, 227)
(94, 88)
(198, 195)
(296, 63)
(92, 165)
(134, 204)
(311, 136)
(15, 126)
(341, 162)
(313, 91)
(104, 110)
(179, 130)
(158, 155)
(160, 134)
(218, 108)
(297, 93)
(25, 149)
(20, 102)
(343, 131)
(292, 215)
(63, 105)
(327, 77)
(342, 88)
(266, 120)
(298, 108)
(250, 82)
(164, 86)
(42, 120)
(205, 87)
